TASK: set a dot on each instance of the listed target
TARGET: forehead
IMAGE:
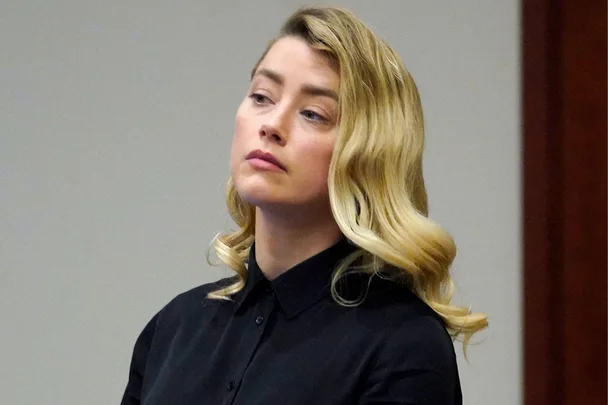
(296, 60)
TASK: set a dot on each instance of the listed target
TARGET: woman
(342, 291)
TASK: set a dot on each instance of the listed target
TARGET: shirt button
(259, 320)
(230, 386)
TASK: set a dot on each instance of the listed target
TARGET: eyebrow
(306, 89)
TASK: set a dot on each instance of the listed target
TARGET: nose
(271, 133)
(274, 127)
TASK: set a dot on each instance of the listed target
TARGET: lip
(267, 157)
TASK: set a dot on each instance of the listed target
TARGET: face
(289, 115)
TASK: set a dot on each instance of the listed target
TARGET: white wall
(115, 126)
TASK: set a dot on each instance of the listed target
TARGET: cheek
(240, 120)
(318, 168)
(238, 148)
(324, 149)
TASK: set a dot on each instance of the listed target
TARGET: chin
(257, 193)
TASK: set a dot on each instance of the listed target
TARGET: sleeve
(132, 393)
(416, 366)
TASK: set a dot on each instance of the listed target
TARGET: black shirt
(286, 342)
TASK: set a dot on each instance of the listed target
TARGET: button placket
(261, 313)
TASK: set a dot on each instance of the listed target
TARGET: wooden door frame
(564, 201)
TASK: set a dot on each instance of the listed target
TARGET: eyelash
(260, 100)
(256, 96)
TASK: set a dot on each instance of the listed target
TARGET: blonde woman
(341, 293)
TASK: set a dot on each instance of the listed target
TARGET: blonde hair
(375, 181)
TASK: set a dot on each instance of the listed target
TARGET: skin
(291, 111)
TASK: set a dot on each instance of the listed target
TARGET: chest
(261, 357)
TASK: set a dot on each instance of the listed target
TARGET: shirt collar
(302, 285)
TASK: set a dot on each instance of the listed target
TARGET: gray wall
(115, 125)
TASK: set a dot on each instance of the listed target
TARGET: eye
(313, 116)
(259, 99)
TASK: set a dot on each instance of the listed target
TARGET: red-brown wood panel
(564, 189)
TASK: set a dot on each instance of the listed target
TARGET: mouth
(265, 160)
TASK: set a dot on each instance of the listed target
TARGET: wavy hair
(375, 181)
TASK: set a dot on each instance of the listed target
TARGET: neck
(281, 243)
